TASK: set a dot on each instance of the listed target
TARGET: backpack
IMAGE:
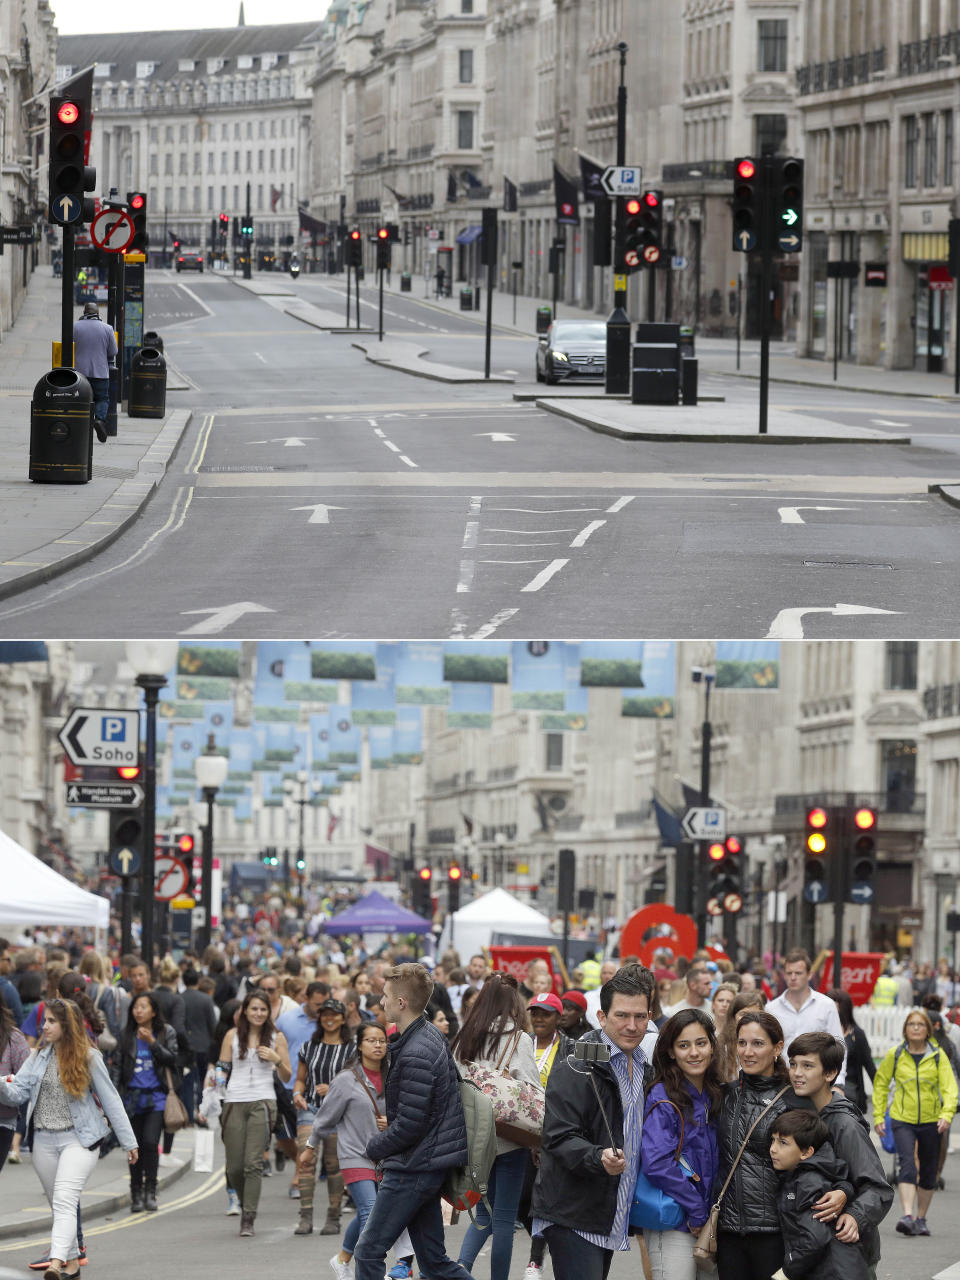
(466, 1185)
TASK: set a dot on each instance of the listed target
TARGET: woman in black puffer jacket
(147, 1063)
(749, 1242)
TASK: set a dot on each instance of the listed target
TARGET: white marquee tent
(31, 893)
(495, 912)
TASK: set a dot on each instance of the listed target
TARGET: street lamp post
(151, 659)
(211, 771)
(706, 738)
(301, 799)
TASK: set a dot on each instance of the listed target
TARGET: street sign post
(96, 735)
(705, 824)
(622, 180)
(125, 862)
(816, 891)
(105, 795)
(861, 891)
(112, 230)
(172, 878)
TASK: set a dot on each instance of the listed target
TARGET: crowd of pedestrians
(685, 1111)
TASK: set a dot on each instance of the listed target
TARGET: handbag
(174, 1112)
(517, 1103)
(706, 1247)
(203, 1147)
(652, 1207)
(106, 1040)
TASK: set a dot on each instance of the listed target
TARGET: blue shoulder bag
(653, 1208)
(887, 1141)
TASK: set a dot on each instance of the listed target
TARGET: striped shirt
(323, 1062)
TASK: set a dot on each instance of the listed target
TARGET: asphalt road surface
(317, 494)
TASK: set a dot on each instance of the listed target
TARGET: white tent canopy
(493, 912)
(31, 893)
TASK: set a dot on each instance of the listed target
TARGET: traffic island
(408, 358)
(732, 424)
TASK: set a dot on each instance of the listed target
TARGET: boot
(150, 1198)
(305, 1226)
(332, 1225)
(246, 1224)
(136, 1199)
(335, 1191)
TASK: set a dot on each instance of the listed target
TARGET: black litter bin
(476, 298)
(688, 379)
(544, 319)
(466, 298)
(61, 429)
(405, 282)
(655, 375)
(152, 339)
(147, 396)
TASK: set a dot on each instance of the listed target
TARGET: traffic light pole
(66, 300)
(356, 276)
(380, 274)
(766, 279)
(348, 295)
(706, 739)
(247, 268)
(839, 887)
(617, 381)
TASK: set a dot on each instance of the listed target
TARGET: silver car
(572, 349)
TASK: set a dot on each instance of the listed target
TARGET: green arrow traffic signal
(789, 216)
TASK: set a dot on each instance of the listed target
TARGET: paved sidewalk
(408, 356)
(24, 1208)
(46, 528)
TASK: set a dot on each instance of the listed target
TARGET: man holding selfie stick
(592, 1123)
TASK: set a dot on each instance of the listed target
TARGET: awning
(469, 234)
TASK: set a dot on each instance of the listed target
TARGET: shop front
(925, 254)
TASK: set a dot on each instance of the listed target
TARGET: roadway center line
(378, 432)
(495, 530)
(585, 533)
(495, 622)
(467, 568)
(391, 445)
(470, 535)
(260, 357)
(404, 458)
(516, 544)
(544, 576)
(620, 504)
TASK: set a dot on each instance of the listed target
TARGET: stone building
(878, 94)
(193, 118)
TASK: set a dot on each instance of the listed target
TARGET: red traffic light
(716, 852)
(129, 771)
(185, 843)
(383, 233)
(633, 207)
(817, 818)
(354, 235)
(454, 872)
(651, 200)
(68, 113)
(136, 202)
(733, 845)
(865, 819)
(424, 873)
(746, 169)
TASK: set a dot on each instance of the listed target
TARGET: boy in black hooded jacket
(802, 1155)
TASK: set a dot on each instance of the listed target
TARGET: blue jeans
(363, 1195)
(101, 396)
(506, 1183)
(573, 1257)
(410, 1200)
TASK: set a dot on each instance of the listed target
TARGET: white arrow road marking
(791, 515)
(544, 576)
(788, 624)
(584, 534)
(288, 442)
(885, 422)
(497, 437)
(320, 510)
(221, 617)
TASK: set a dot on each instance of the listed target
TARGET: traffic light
(301, 864)
(818, 846)
(421, 892)
(176, 244)
(651, 216)
(126, 832)
(137, 204)
(717, 857)
(224, 222)
(246, 226)
(183, 844)
(270, 858)
(454, 879)
(354, 249)
(863, 861)
(746, 204)
(393, 232)
(788, 204)
(629, 249)
(383, 249)
(69, 177)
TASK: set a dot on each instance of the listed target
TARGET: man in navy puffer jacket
(426, 1135)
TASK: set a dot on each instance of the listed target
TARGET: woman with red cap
(573, 1020)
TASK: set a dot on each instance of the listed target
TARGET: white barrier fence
(883, 1026)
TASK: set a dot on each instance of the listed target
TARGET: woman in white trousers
(73, 1105)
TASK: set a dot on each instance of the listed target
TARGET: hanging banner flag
(408, 736)
(222, 659)
(345, 738)
(373, 700)
(590, 175)
(616, 663)
(319, 737)
(509, 195)
(566, 197)
(309, 691)
(277, 662)
(380, 739)
(654, 698)
(538, 672)
(419, 674)
(343, 660)
(471, 706)
(747, 664)
(486, 661)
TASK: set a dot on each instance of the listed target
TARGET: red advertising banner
(669, 930)
(514, 960)
(861, 969)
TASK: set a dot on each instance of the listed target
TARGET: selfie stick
(571, 1063)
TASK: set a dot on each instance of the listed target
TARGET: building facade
(879, 89)
(196, 118)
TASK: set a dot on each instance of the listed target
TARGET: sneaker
(341, 1269)
(920, 1227)
(16, 1158)
(40, 1264)
(402, 1271)
(905, 1225)
(267, 1169)
(233, 1205)
(279, 1160)
(533, 1271)
(83, 1255)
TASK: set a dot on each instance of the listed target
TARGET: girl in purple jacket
(684, 1097)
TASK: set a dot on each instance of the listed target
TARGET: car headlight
(558, 355)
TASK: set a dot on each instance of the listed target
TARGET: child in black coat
(802, 1155)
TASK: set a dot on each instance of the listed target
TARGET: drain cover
(846, 564)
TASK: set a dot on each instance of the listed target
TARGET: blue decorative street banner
(747, 664)
(471, 706)
(419, 674)
(538, 675)
(485, 661)
(343, 660)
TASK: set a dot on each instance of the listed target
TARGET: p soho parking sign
(98, 735)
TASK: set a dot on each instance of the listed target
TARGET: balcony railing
(854, 68)
(932, 54)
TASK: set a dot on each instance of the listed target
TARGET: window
(465, 130)
(898, 768)
(554, 751)
(466, 66)
(197, 162)
(910, 140)
(901, 670)
(168, 164)
(211, 162)
(929, 149)
(153, 165)
(772, 38)
(260, 161)
(209, 199)
(770, 134)
(183, 162)
(273, 159)
(236, 162)
(466, 6)
(183, 133)
(168, 133)
(153, 134)
(948, 148)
